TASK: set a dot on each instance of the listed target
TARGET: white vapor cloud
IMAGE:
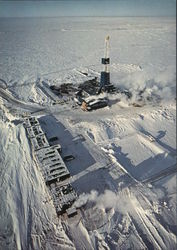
(107, 200)
(162, 85)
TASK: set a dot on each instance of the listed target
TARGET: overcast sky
(33, 8)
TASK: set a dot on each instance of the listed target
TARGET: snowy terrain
(124, 169)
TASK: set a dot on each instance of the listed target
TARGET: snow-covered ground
(124, 169)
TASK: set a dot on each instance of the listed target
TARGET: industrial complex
(53, 168)
(87, 94)
(48, 156)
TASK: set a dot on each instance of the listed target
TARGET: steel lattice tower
(105, 74)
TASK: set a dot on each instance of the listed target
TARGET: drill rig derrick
(105, 74)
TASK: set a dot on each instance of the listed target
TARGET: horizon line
(84, 16)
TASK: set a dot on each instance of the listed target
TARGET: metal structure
(105, 74)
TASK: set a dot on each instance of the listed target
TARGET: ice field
(124, 170)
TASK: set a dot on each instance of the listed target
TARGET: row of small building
(53, 168)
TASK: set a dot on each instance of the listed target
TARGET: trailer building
(34, 131)
(63, 197)
(51, 164)
(31, 121)
(40, 141)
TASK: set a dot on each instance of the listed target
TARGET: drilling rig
(105, 74)
(88, 95)
(105, 84)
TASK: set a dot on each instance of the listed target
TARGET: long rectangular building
(51, 164)
(53, 168)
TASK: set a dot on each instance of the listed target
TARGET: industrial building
(38, 142)
(52, 166)
(47, 151)
(34, 131)
(63, 197)
(30, 122)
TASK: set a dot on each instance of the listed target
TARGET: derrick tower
(105, 74)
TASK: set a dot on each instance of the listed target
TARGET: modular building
(51, 164)
(53, 168)
(34, 131)
(63, 197)
(40, 141)
(31, 121)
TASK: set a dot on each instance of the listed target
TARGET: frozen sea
(126, 181)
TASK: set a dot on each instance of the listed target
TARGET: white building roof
(34, 131)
